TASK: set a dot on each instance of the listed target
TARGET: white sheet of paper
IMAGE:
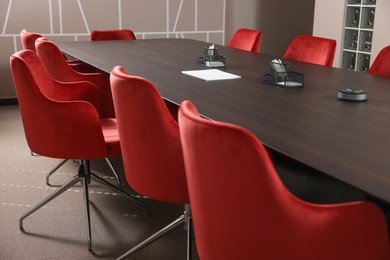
(211, 74)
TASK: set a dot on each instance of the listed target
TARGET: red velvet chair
(150, 144)
(60, 70)
(104, 35)
(312, 49)
(28, 43)
(247, 40)
(242, 210)
(60, 121)
(381, 64)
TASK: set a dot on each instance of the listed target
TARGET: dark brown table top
(348, 141)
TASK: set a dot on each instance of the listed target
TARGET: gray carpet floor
(58, 231)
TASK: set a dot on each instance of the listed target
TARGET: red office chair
(60, 121)
(59, 69)
(223, 160)
(150, 144)
(104, 35)
(55, 63)
(247, 40)
(312, 49)
(381, 64)
(28, 43)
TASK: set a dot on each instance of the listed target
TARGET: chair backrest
(150, 141)
(56, 123)
(60, 70)
(28, 42)
(28, 39)
(312, 49)
(247, 40)
(381, 64)
(53, 60)
(104, 35)
(242, 210)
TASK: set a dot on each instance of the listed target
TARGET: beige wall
(241, 14)
(74, 19)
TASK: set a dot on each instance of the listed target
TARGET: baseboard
(8, 101)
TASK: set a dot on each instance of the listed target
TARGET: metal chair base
(84, 176)
(52, 171)
(183, 219)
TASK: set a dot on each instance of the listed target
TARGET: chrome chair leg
(114, 171)
(108, 184)
(54, 170)
(190, 234)
(85, 180)
(84, 176)
(183, 219)
(49, 198)
(190, 237)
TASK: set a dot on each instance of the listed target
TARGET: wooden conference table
(348, 141)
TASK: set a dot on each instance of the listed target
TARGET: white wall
(328, 23)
